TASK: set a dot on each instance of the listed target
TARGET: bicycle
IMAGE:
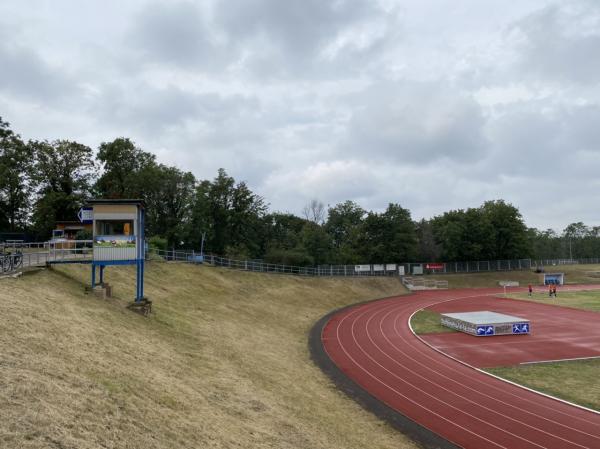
(11, 262)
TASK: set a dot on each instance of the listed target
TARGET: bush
(296, 257)
(84, 234)
(237, 252)
(158, 242)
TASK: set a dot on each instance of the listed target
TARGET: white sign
(378, 268)
(361, 268)
(86, 215)
(390, 267)
(401, 270)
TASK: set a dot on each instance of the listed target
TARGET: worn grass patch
(428, 322)
(575, 381)
(222, 362)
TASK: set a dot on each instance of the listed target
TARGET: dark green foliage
(344, 225)
(389, 237)
(157, 242)
(492, 231)
(126, 169)
(230, 214)
(63, 172)
(84, 234)
(297, 257)
(16, 184)
(316, 242)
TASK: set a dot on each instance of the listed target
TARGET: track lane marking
(406, 397)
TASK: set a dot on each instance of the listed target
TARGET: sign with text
(86, 215)
(434, 266)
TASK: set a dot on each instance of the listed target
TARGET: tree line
(42, 182)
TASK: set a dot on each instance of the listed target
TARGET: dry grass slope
(222, 363)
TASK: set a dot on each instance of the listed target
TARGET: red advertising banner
(434, 266)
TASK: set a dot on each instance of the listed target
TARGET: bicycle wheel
(6, 265)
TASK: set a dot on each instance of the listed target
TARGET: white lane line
(392, 307)
(560, 360)
(505, 380)
(404, 396)
(435, 398)
(457, 382)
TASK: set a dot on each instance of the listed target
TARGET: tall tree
(390, 236)
(169, 202)
(344, 223)
(123, 165)
(510, 231)
(64, 172)
(427, 248)
(494, 230)
(231, 215)
(314, 211)
(16, 185)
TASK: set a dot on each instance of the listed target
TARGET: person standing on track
(554, 290)
(550, 290)
(530, 290)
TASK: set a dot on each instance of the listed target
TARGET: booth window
(115, 227)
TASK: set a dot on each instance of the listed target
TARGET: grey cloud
(267, 39)
(562, 43)
(158, 110)
(27, 76)
(539, 139)
(176, 33)
(299, 26)
(417, 123)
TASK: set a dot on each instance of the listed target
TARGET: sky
(432, 104)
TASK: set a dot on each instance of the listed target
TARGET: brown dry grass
(222, 363)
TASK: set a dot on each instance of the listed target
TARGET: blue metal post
(101, 274)
(140, 258)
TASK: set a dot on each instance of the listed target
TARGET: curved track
(373, 346)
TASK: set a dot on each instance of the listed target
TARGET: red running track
(373, 345)
(557, 333)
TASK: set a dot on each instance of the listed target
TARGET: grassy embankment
(575, 381)
(222, 362)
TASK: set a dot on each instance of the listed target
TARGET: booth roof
(137, 202)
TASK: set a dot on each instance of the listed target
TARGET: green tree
(390, 236)
(427, 248)
(169, 199)
(231, 215)
(344, 225)
(510, 231)
(16, 184)
(64, 172)
(316, 243)
(494, 230)
(124, 167)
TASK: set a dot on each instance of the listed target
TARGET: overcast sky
(436, 105)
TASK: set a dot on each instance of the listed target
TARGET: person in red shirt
(530, 290)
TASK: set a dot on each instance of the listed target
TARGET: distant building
(69, 229)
